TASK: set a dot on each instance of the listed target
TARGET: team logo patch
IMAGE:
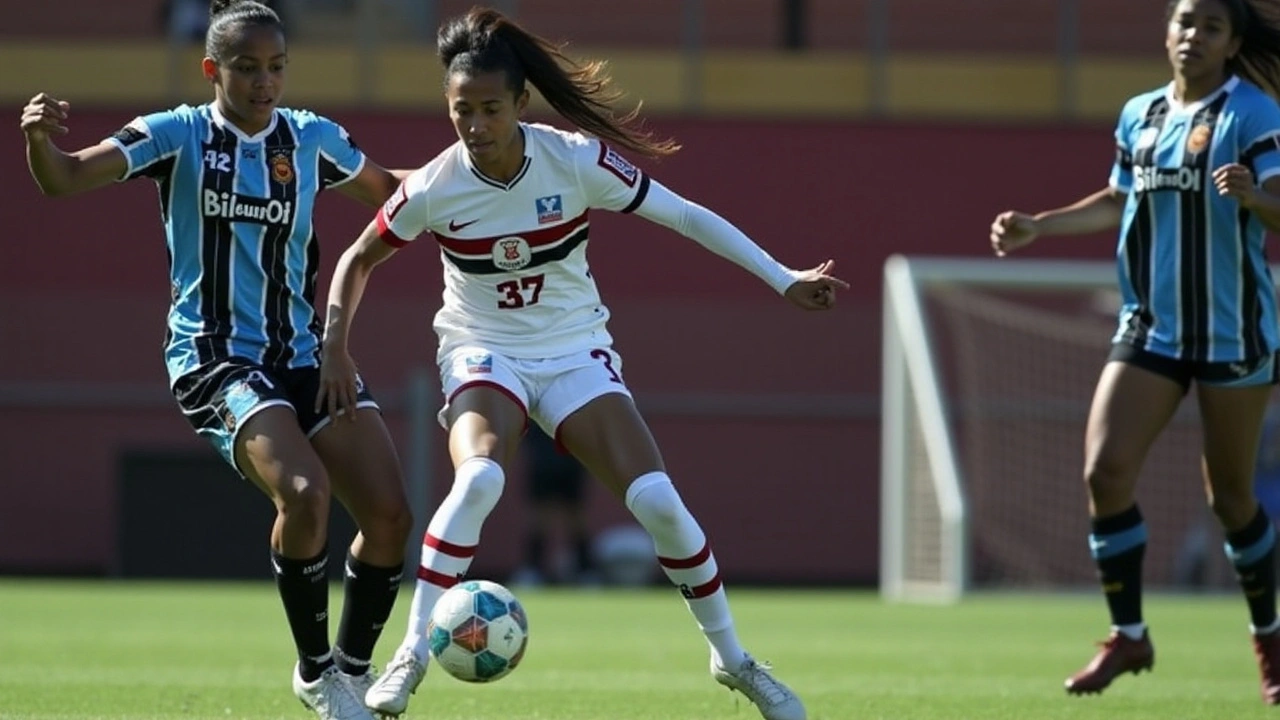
(281, 168)
(618, 165)
(479, 364)
(133, 133)
(240, 398)
(1198, 138)
(1147, 138)
(511, 253)
(549, 209)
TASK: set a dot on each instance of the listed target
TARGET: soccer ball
(478, 631)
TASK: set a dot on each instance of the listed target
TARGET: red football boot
(1118, 655)
(1267, 648)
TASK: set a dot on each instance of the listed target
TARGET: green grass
(78, 650)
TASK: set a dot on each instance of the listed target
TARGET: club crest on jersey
(618, 165)
(1198, 138)
(549, 209)
(511, 253)
(281, 168)
(479, 364)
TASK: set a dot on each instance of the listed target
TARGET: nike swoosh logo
(455, 226)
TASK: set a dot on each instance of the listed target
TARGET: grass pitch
(75, 650)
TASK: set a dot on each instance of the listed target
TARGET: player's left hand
(1236, 181)
(816, 288)
(338, 385)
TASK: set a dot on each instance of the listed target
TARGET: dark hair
(1259, 58)
(485, 40)
(228, 16)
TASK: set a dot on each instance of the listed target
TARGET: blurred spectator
(556, 487)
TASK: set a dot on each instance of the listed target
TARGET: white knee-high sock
(450, 542)
(686, 558)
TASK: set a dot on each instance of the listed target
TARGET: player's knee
(1233, 506)
(303, 496)
(388, 524)
(1109, 472)
(478, 483)
(655, 503)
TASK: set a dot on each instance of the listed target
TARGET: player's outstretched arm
(810, 289)
(1097, 212)
(337, 369)
(58, 172)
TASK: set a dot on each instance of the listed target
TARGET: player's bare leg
(484, 431)
(274, 454)
(1130, 407)
(611, 439)
(1232, 424)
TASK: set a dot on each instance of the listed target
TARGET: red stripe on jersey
(385, 232)
(535, 238)
(702, 556)
(448, 548)
(436, 578)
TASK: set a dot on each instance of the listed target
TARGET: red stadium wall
(786, 498)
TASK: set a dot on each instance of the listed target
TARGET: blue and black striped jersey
(1192, 264)
(237, 213)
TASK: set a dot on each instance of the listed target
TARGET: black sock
(369, 593)
(1252, 549)
(304, 588)
(1118, 543)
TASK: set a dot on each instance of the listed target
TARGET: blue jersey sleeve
(1260, 138)
(1122, 169)
(149, 141)
(340, 158)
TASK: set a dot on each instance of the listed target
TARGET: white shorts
(547, 389)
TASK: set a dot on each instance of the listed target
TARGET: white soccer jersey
(516, 278)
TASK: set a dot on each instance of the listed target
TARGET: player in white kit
(522, 330)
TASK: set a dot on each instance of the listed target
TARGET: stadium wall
(789, 496)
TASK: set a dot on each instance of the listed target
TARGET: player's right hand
(1012, 230)
(338, 379)
(43, 117)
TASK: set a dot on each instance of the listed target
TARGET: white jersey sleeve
(609, 181)
(407, 213)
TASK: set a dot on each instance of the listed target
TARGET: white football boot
(330, 696)
(774, 700)
(389, 695)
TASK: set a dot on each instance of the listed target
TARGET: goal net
(989, 369)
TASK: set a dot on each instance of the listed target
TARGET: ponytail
(485, 40)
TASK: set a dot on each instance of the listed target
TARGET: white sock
(686, 558)
(450, 542)
(1133, 631)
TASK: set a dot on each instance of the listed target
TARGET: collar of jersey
(223, 123)
(524, 167)
(1177, 107)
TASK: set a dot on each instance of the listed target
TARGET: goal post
(926, 532)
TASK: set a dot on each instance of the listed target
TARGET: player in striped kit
(1195, 185)
(238, 179)
(522, 330)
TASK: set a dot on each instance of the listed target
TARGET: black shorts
(554, 476)
(219, 397)
(1243, 373)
